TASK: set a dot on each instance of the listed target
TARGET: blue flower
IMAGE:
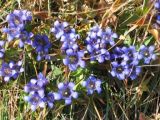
(42, 45)
(92, 84)
(25, 38)
(120, 71)
(36, 85)
(66, 92)
(12, 33)
(35, 100)
(134, 72)
(17, 68)
(2, 50)
(51, 97)
(11, 70)
(73, 59)
(6, 71)
(130, 55)
(98, 41)
(147, 54)
(18, 18)
(157, 5)
(63, 31)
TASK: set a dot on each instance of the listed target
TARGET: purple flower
(25, 38)
(2, 50)
(92, 84)
(36, 85)
(18, 18)
(6, 71)
(66, 92)
(130, 55)
(60, 28)
(147, 54)
(157, 5)
(11, 70)
(12, 33)
(74, 59)
(35, 100)
(120, 71)
(42, 45)
(98, 41)
(17, 69)
(134, 72)
(51, 97)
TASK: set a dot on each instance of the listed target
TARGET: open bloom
(12, 33)
(120, 71)
(147, 54)
(92, 84)
(36, 85)
(74, 59)
(42, 45)
(35, 100)
(11, 70)
(18, 18)
(98, 41)
(25, 38)
(66, 92)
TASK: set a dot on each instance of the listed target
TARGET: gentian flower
(42, 45)
(12, 33)
(66, 92)
(157, 4)
(98, 41)
(74, 59)
(130, 55)
(6, 71)
(11, 70)
(18, 18)
(51, 97)
(120, 71)
(36, 85)
(92, 84)
(2, 50)
(147, 54)
(134, 72)
(17, 68)
(25, 38)
(35, 100)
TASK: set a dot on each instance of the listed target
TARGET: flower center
(17, 20)
(66, 92)
(146, 53)
(92, 84)
(119, 69)
(7, 71)
(35, 99)
(73, 59)
(130, 54)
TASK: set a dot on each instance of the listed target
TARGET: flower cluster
(125, 61)
(17, 21)
(36, 90)
(37, 97)
(98, 41)
(68, 37)
(42, 45)
(11, 70)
